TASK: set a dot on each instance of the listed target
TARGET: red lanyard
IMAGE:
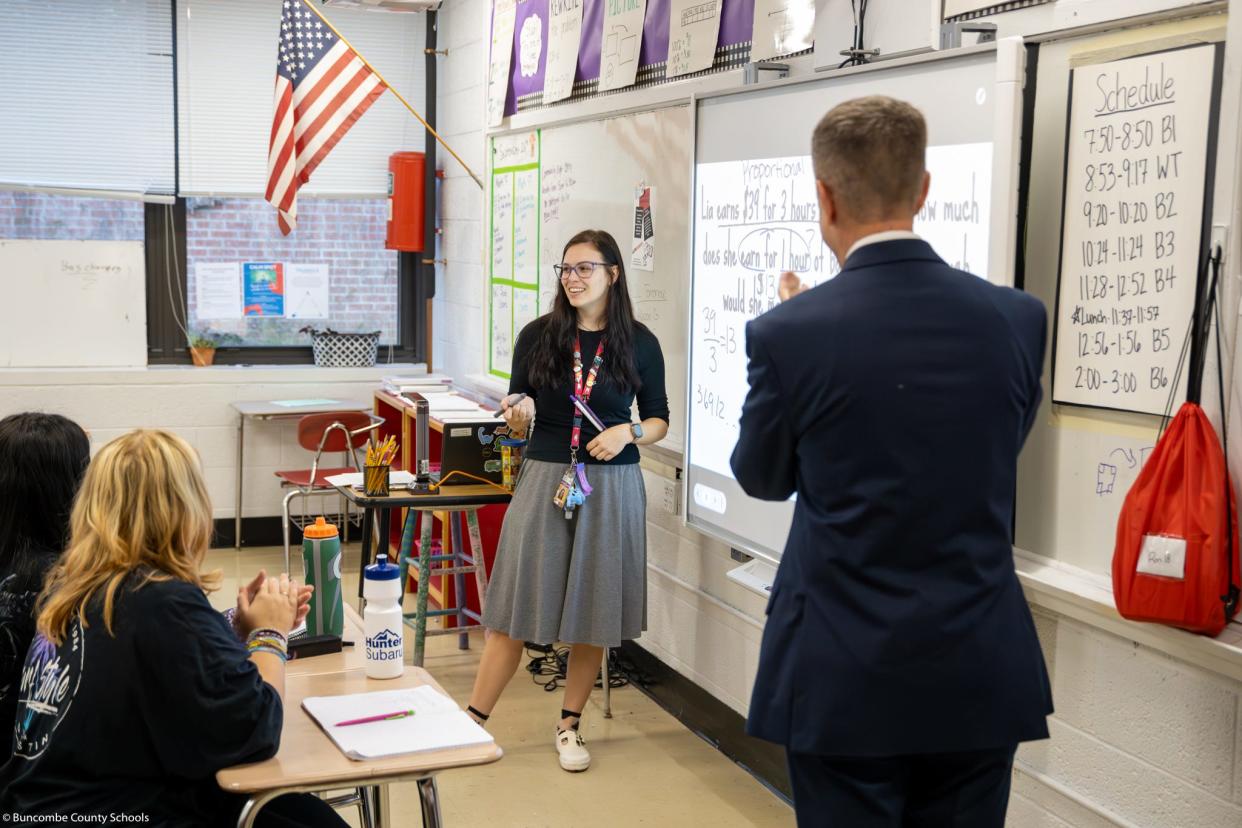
(583, 391)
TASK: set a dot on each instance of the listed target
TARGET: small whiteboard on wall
(1138, 165)
(71, 304)
(627, 174)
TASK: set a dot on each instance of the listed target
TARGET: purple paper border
(736, 25)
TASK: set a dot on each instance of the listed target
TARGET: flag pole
(388, 86)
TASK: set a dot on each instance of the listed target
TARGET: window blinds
(227, 69)
(88, 97)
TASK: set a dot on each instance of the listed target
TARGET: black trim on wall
(715, 722)
(165, 256)
(256, 531)
(425, 264)
(1027, 143)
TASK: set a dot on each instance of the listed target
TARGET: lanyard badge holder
(573, 488)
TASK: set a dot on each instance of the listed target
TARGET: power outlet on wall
(672, 497)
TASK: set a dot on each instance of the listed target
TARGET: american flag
(322, 88)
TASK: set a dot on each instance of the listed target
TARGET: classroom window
(45, 216)
(341, 241)
(334, 270)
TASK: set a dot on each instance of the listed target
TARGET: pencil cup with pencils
(378, 465)
(375, 480)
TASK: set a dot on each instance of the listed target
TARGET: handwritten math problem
(756, 219)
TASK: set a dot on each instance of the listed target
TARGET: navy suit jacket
(894, 400)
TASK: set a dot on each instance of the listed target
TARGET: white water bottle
(382, 621)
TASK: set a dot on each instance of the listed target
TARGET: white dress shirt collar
(885, 236)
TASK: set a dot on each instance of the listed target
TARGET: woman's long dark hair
(551, 361)
(42, 460)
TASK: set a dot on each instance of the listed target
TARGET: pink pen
(400, 714)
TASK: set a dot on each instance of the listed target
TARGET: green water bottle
(321, 559)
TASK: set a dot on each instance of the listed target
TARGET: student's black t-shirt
(554, 413)
(138, 723)
(19, 589)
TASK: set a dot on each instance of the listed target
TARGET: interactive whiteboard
(755, 215)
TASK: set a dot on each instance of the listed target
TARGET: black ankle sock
(568, 714)
(480, 716)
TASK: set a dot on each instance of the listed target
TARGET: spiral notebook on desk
(437, 724)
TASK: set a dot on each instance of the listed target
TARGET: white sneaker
(575, 758)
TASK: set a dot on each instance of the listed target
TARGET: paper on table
(396, 480)
(419, 379)
(448, 402)
(300, 403)
(437, 723)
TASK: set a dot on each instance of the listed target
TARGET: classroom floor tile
(646, 768)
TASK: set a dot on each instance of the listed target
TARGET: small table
(468, 499)
(309, 761)
(277, 410)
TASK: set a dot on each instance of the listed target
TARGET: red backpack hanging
(1176, 560)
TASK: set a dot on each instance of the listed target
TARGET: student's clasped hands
(272, 603)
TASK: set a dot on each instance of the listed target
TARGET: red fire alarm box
(405, 202)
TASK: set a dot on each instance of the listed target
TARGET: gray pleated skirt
(578, 581)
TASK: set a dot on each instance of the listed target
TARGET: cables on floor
(548, 663)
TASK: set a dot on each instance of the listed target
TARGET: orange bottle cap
(320, 529)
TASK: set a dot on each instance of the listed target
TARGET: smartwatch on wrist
(636, 431)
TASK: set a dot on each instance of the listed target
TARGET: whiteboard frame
(1010, 90)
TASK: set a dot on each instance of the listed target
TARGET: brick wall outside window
(346, 235)
(66, 218)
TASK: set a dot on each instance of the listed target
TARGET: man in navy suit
(900, 665)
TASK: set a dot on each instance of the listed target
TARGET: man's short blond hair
(871, 154)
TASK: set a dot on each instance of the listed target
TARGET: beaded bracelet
(281, 654)
(263, 641)
(268, 632)
(268, 640)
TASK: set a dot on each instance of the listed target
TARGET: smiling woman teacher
(571, 565)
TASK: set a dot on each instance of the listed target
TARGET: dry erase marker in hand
(382, 717)
(513, 400)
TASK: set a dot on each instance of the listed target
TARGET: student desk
(309, 761)
(468, 499)
(272, 410)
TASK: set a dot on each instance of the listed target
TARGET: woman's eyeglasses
(584, 270)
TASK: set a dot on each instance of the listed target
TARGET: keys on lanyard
(573, 488)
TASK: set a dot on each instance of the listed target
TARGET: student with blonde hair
(135, 691)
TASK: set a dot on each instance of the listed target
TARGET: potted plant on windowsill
(202, 349)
